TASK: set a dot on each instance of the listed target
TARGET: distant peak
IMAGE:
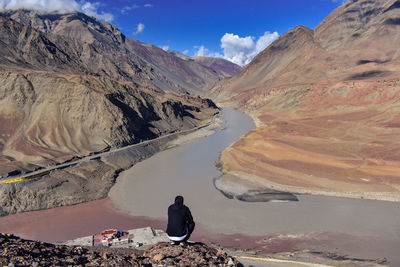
(301, 28)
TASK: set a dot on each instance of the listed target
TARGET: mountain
(101, 49)
(72, 85)
(326, 103)
(221, 66)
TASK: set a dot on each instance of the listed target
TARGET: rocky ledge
(19, 252)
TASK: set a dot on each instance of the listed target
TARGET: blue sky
(182, 24)
(198, 26)
(187, 25)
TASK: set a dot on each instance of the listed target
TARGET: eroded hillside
(326, 102)
(72, 86)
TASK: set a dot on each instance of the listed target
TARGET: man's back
(180, 221)
(179, 218)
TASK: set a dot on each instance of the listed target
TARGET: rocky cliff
(326, 105)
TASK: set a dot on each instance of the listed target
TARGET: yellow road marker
(16, 180)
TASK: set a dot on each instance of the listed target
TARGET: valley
(141, 194)
(326, 106)
(293, 155)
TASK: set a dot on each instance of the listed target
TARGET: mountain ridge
(221, 66)
(102, 49)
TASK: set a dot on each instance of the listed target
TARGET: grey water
(189, 170)
(150, 186)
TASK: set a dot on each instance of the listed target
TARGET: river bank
(249, 185)
(241, 186)
(309, 156)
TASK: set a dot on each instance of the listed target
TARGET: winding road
(47, 170)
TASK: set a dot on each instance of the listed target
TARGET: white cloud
(265, 41)
(185, 52)
(91, 9)
(41, 5)
(126, 9)
(201, 51)
(341, 2)
(165, 47)
(139, 28)
(239, 50)
(62, 6)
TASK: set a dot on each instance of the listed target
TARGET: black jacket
(179, 218)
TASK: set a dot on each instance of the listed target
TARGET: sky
(232, 29)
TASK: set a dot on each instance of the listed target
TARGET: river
(189, 170)
(360, 228)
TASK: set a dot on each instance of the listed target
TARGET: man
(180, 221)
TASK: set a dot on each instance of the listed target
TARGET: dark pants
(190, 227)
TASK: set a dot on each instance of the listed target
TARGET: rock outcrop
(20, 252)
(326, 105)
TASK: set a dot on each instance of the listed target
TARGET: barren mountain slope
(326, 102)
(221, 66)
(24, 47)
(49, 110)
(103, 50)
(74, 86)
(50, 118)
(55, 116)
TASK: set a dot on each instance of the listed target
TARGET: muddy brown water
(359, 228)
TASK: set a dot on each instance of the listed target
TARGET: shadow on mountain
(366, 61)
(392, 21)
(368, 74)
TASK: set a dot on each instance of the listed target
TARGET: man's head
(179, 200)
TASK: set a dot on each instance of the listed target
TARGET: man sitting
(180, 222)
